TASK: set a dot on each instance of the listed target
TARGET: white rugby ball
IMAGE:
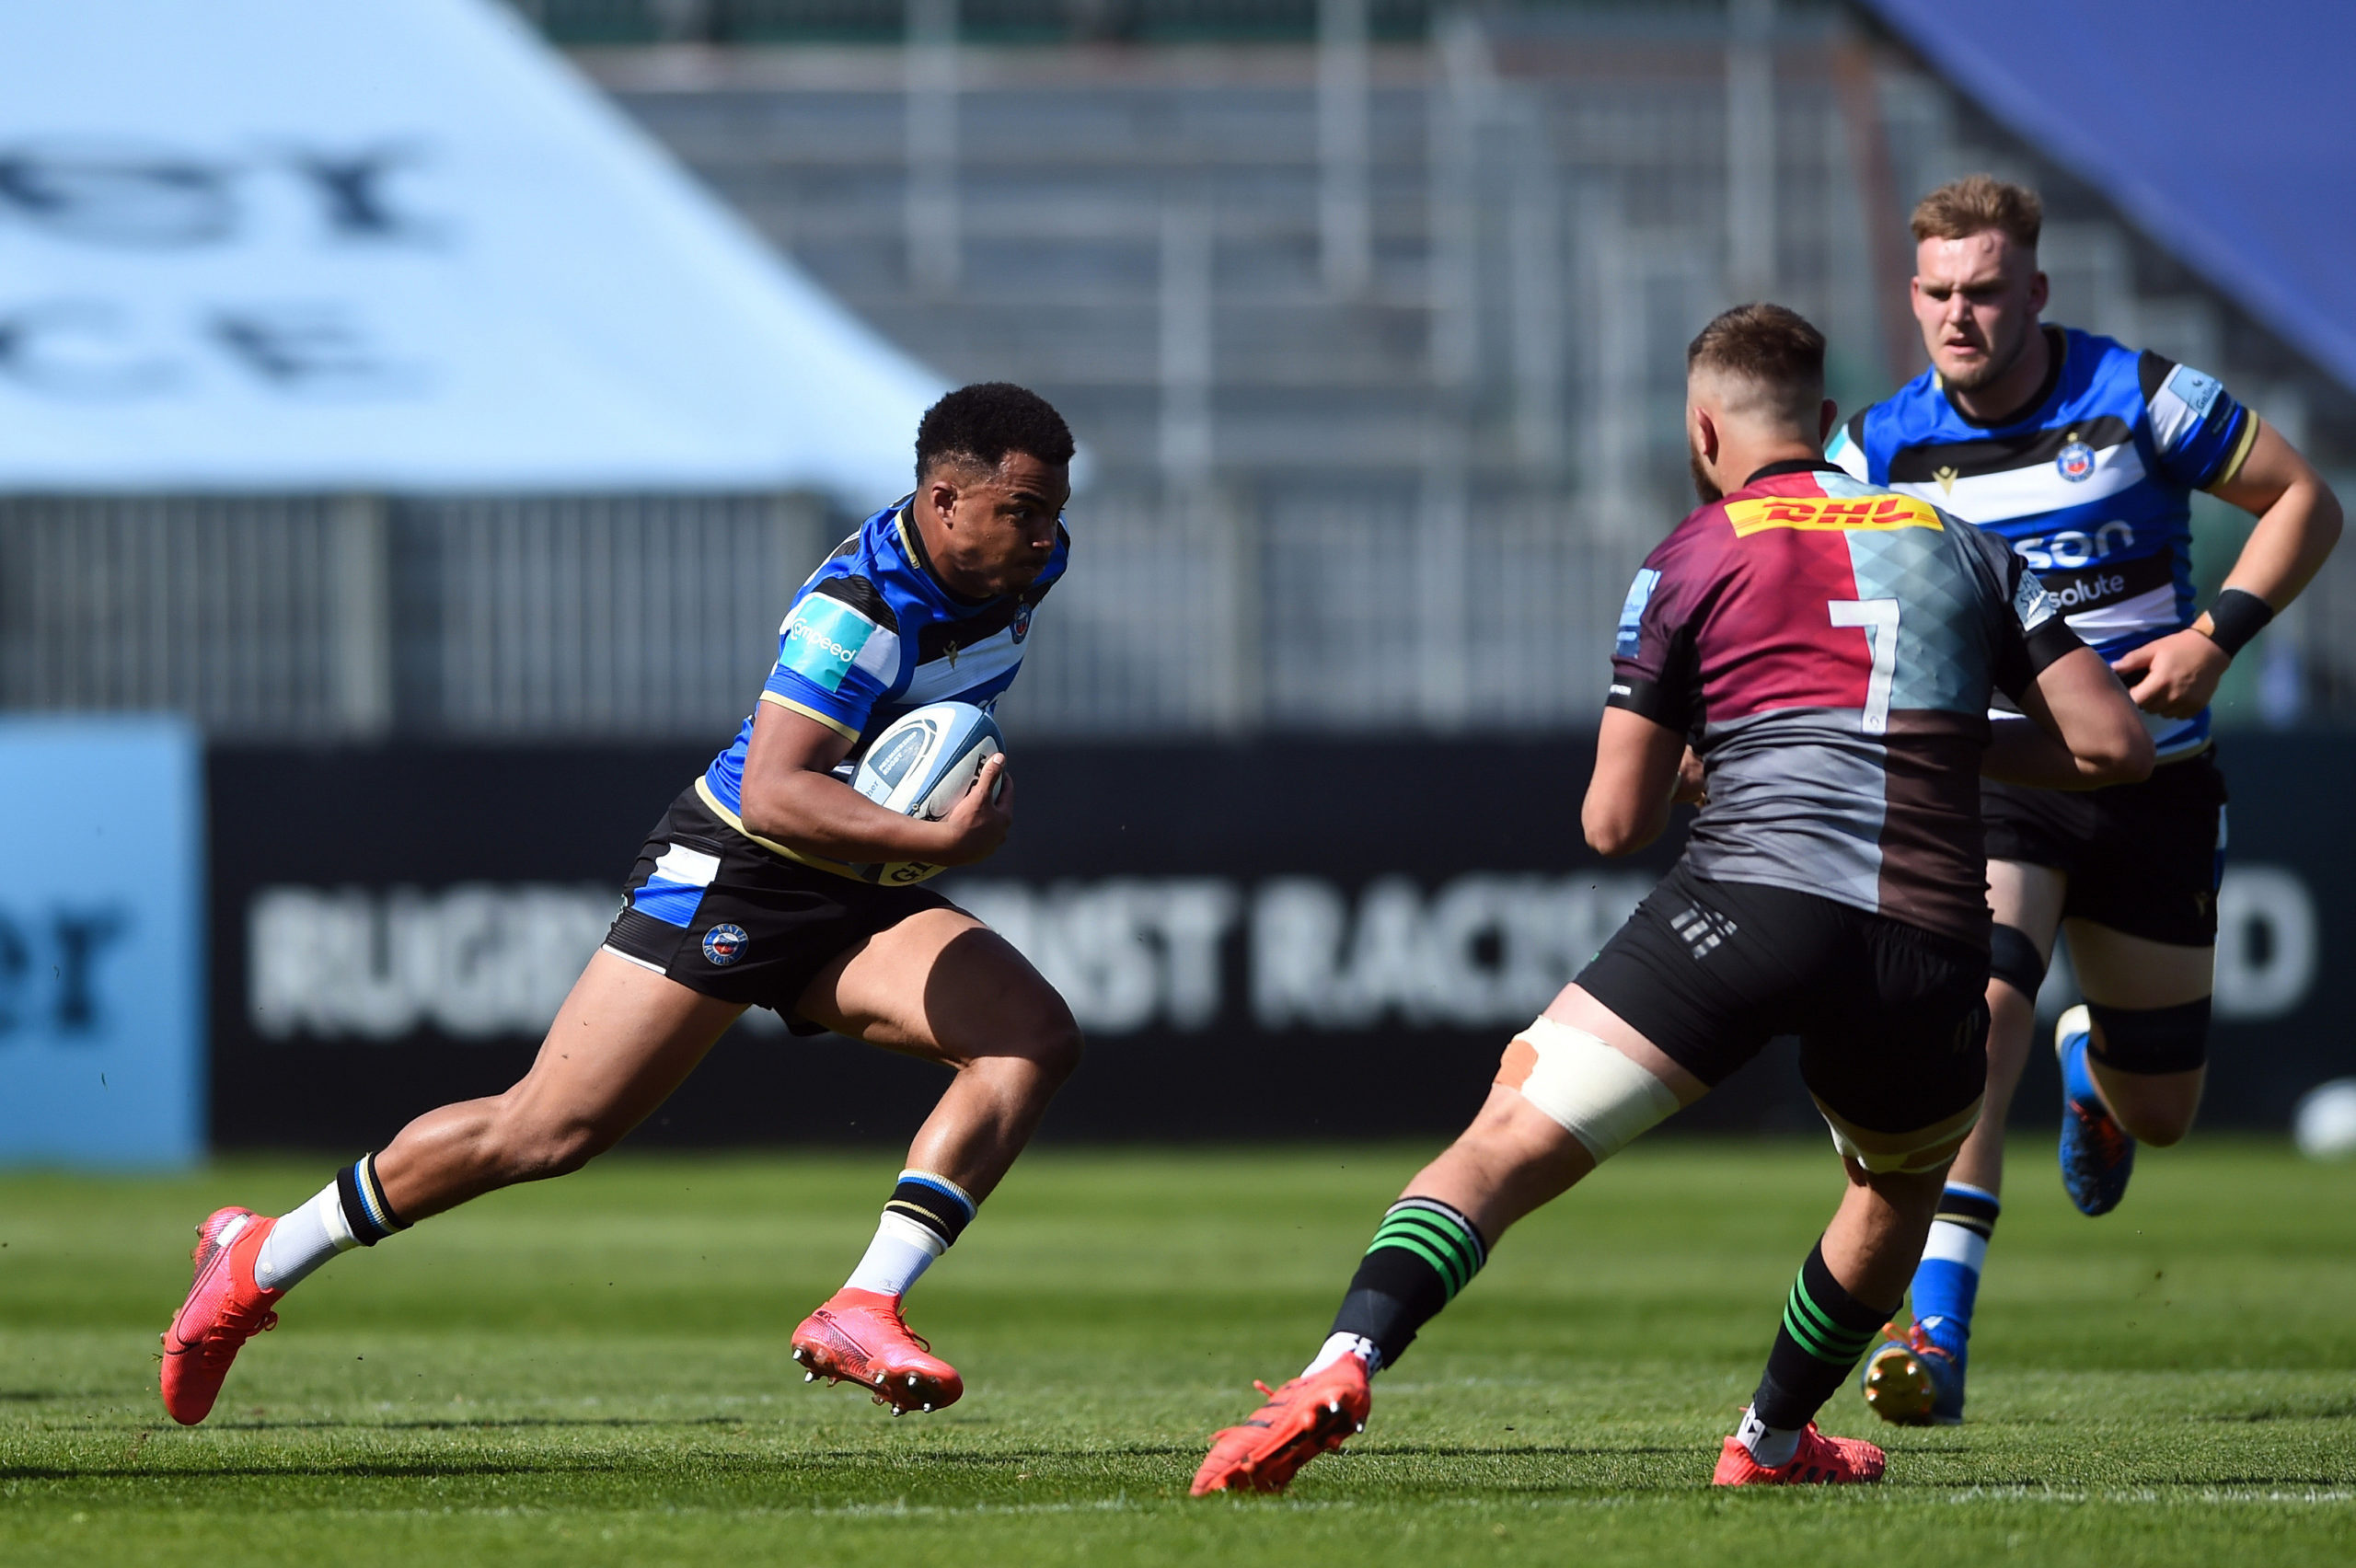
(922, 765)
(2324, 1122)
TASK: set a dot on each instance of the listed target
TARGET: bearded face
(1702, 486)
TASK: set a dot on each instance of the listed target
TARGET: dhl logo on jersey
(1876, 512)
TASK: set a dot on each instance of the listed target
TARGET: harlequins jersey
(2091, 483)
(1829, 649)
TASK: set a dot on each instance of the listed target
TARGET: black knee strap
(2014, 959)
(2150, 1040)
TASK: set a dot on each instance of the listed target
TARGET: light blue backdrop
(101, 943)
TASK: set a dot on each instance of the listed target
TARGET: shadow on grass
(198, 1466)
(2289, 1410)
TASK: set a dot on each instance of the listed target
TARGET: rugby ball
(922, 765)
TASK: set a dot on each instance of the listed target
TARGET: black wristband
(2236, 617)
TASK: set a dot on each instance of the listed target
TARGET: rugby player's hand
(2175, 676)
(979, 823)
(1693, 783)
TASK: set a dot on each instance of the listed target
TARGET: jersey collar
(1795, 466)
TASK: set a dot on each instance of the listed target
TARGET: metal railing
(1377, 353)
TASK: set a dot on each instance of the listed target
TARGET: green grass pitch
(593, 1371)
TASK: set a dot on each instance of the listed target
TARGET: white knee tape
(1598, 1096)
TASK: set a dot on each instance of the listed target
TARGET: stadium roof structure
(2218, 129)
(274, 245)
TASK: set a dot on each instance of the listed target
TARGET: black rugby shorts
(712, 909)
(2143, 858)
(1892, 1018)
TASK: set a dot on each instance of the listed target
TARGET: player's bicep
(2272, 467)
(786, 741)
(2080, 702)
(1635, 770)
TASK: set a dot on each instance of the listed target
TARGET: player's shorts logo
(723, 945)
(2077, 460)
(1703, 929)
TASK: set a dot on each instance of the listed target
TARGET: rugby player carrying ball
(747, 894)
(2081, 455)
(1828, 649)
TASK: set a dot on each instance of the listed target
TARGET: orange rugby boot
(859, 1337)
(1307, 1417)
(1821, 1461)
(225, 1308)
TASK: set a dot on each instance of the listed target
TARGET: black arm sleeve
(2030, 634)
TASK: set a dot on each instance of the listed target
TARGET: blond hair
(1980, 203)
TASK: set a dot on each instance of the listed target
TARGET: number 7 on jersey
(1879, 618)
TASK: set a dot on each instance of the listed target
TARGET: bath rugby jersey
(872, 634)
(1830, 648)
(2091, 483)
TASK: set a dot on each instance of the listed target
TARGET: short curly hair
(981, 423)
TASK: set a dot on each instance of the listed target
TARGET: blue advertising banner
(101, 949)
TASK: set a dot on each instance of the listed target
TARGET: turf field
(593, 1371)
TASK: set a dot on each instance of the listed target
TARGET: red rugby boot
(859, 1337)
(1305, 1418)
(225, 1308)
(1821, 1461)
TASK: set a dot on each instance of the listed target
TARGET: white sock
(303, 1239)
(1770, 1446)
(901, 1252)
(1339, 1345)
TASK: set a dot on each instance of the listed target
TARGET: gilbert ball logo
(2077, 460)
(723, 945)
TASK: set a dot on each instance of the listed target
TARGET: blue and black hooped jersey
(2091, 484)
(872, 634)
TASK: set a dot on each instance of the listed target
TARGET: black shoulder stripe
(846, 548)
(1999, 454)
(860, 595)
(2152, 371)
(1856, 428)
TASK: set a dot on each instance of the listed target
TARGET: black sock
(1825, 1330)
(1424, 1254)
(934, 1202)
(369, 1217)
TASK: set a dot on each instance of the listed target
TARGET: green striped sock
(1438, 1235)
(1423, 1255)
(1817, 1334)
(1825, 1331)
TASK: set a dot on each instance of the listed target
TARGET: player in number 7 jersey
(1829, 650)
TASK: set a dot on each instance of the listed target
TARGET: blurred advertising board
(1282, 939)
(101, 949)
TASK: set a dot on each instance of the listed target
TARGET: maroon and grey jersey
(1829, 647)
